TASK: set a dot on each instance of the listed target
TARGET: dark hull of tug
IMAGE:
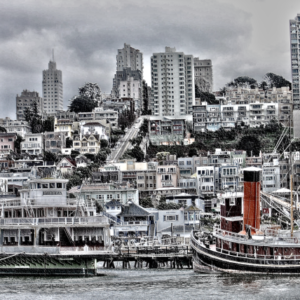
(207, 261)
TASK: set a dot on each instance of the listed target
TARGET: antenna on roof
(52, 54)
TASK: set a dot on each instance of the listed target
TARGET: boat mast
(291, 182)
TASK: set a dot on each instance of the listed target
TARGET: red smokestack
(251, 199)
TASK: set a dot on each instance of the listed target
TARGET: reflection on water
(152, 284)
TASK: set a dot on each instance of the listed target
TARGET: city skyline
(240, 38)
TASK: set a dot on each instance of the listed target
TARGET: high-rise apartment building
(129, 57)
(173, 87)
(26, 99)
(52, 88)
(129, 63)
(295, 59)
(203, 74)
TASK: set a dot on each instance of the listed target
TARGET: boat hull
(207, 260)
(41, 265)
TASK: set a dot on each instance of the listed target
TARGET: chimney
(252, 184)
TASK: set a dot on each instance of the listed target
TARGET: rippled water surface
(152, 284)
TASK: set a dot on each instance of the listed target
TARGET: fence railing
(53, 221)
(84, 249)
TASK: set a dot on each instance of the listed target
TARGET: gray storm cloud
(87, 34)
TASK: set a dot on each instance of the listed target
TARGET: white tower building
(173, 87)
(52, 88)
(295, 59)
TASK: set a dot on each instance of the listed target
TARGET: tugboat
(241, 244)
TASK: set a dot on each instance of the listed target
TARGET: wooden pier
(163, 257)
(85, 263)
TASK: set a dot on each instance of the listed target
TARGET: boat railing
(232, 235)
(269, 237)
(259, 256)
(53, 221)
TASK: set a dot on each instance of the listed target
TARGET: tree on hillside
(249, 143)
(203, 84)
(89, 98)
(146, 202)
(242, 80)
(48, 124)
(205, 96)
(91, 91)
(17, 144)
(49, 156)
(273, 80)
(193, 152)
(33, 118)
(103, 143)
(82, 104)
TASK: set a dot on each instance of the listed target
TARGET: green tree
(205, 96)
(17, 144)
(193, 152)
(74, 153)
(49, 156)
(249, 143)
(243, 80)
(75, 180)
(48, 124)
(146, 202)
(2, 129)
(33, 118)
(277, 81)
(82, 104)
(100, 157)
(165, 206)
(91, 91)
(137, 152)
(83, 172)
(104, 143)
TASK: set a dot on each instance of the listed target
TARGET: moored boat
(241, 244)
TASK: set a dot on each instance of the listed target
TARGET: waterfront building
(52, 89)
(173, 87)
(25, 100)
(105, 192)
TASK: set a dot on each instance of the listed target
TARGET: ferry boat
(44, 232)
(240, 244)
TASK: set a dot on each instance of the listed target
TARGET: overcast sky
(241, 37)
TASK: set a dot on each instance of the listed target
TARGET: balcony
(167, 184)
